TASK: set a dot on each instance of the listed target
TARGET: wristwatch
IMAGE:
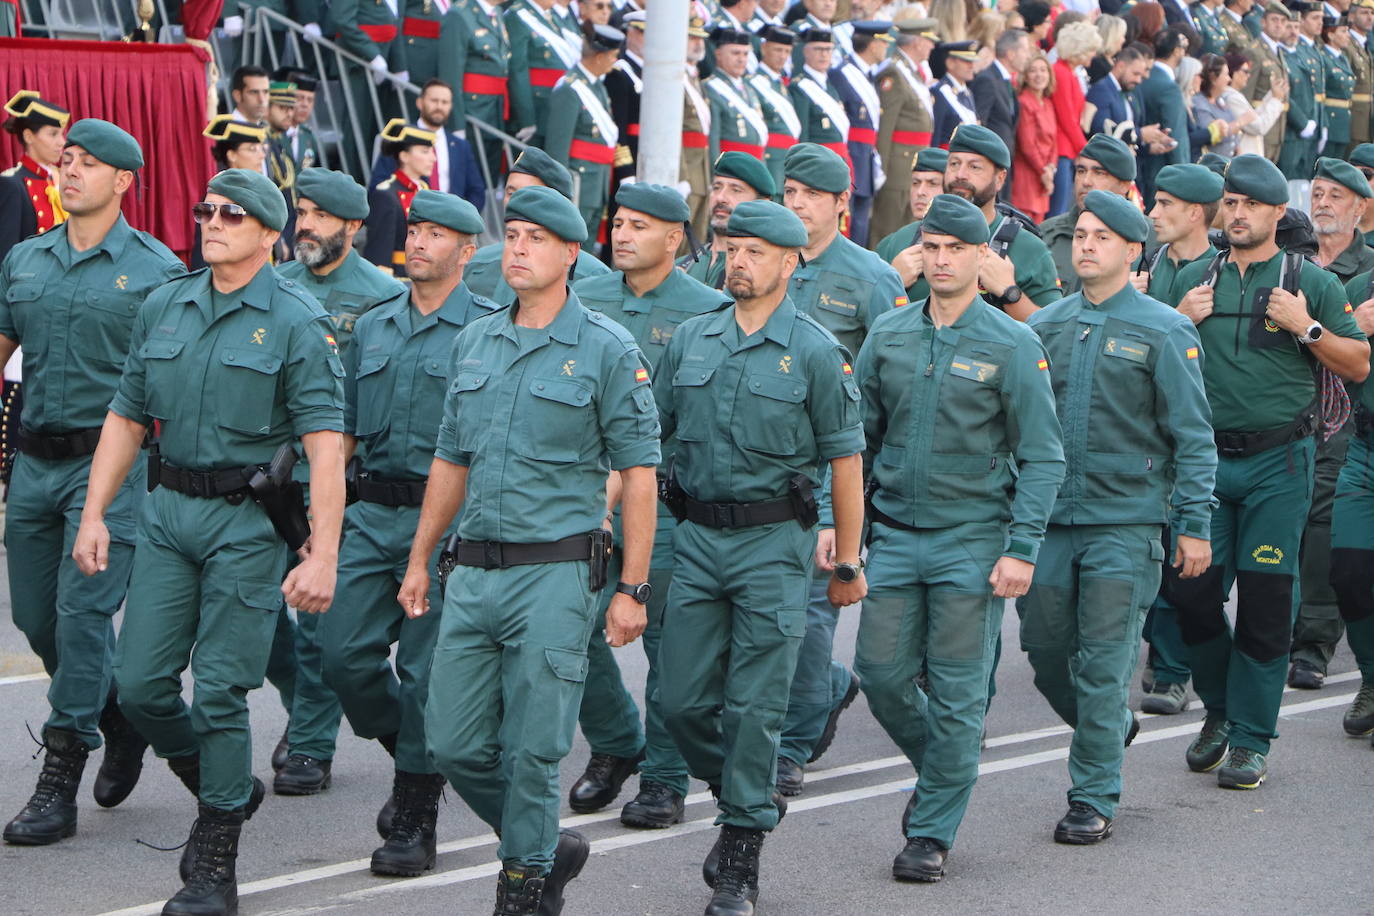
(1011, 295)
(641, 592)
(848, 572)
(1312, 334)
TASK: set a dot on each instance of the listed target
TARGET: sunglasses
(230, 215)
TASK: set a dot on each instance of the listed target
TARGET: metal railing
(86, 20)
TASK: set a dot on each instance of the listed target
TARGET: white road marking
(23, 678)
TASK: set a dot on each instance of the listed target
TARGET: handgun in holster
(448, 560)
(351, 472)
(282, 498)
(599, 561)
(154, 463)
(803, 498)
(870, 489)
(671, 494)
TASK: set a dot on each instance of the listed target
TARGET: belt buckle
(491, 555)
(1231, 445)
(722, 515)
(195, 485)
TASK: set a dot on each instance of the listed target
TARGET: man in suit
(455, 165)
(994, 90)
(1110, 96)
(1163, 105)
(952, 63)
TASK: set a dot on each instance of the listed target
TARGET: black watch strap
(641, 592)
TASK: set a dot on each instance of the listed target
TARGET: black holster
(599, 560)
(803, 498)
(154, 463)
(282, 498)
(448, 559)
(671, 494)
(351, 472)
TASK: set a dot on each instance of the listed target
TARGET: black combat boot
(601, 782)
(791, 777)
(922, 859)
(655, 807)
(388, 811)
(1082, 826)
(518, 892)
(187, 769)
(123, 760)
(568, 859)
(302, 775)
(712, 861)
(188, 852)
(409, 849)
(211, 888)
(281, 751)
(50, 814)
(737, 882)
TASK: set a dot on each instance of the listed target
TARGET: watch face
(846, 573)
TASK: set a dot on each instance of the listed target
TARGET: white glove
(1309, 130)
(378, 64)
(460, 134)
(403, 76)
(233, 26)
(879, 176)
(524, 134)
(685, 189)
(312, 32)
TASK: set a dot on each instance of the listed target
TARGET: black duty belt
(390, 492)
(1244, 444)
(230, 484)
(499, 555)
(55, 447)
(877, 515)
(739, 515)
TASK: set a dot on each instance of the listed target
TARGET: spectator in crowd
(1209, 111)
(250, 90)
(952, 17)
(597, 12)
(1075, 47)
(455, 169)
(985, 28)
(1150, 17)
(994, 89)
(1189, 79)
(1162, 103)
(1113, 32)
(1036, 149)
(1035, 18)
(1255, 120)
(237, 145)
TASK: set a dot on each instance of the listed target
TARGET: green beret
(254, 192)
(1257, 177)
(1363, 154)
(658, 201)
(1342, 172)
(816, 167)
(975, 138)
(1121, 216)
(534, 161)
(1196, 184)
(747, 169)
(550, 209)
(763, 219)
(1215, 162)
(333, 192)
(950, 214)
(110, 144)
(930, 159)
(1112, 155)
(445, 209)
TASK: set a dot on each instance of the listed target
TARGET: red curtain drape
(198, 17)
(155, 92)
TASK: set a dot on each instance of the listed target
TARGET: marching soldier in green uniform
(474, 58)
(1361, 19)
(483, 273)
(1339, 78)
(1018, 275)
(544, 399)
(1266, 329)
(236, 365)
(69, 296)
(397, 376)
(903, 130)
(820, 110)
(927, 179)
(948, 384)
(739, 177)
(541, 53)
(1340, 197)
(845, 288)
(650, 298)
(1362, 158)
(1127, 380)
(1187, 198)
(329, 212)
(1104, 164)
(784, 126)
(581, 133)
(737, 121)
(760, 397)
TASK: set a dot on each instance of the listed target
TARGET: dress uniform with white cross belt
(737, 121)
(784, 126)
(540, 53)
(904, 129)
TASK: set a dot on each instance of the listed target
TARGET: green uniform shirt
(231, 376)
(1355, 259)
(540, 416)
(1035, 272)
(1166, 271)
(1258, 376)
(948, 411)
(483, 273)
(845, 288)
(346, 292)
(752, 412)
(652, 318)
(73, 312)
(397, 377)
(709, 268)
(1128, 382)
(1357, 290)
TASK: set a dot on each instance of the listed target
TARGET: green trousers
(357, 634)
(313, 726)
(734, 626)
(1080, 629)
(67, 618)
(281, 662)
(504, 690)
(1318, 628)
(1352, 551)
(205, 592)
(820, 683)
(1256, 535)
(930, 604)
(1168, 655)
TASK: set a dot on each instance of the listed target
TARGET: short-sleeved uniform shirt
(232, 376)
(346, 292)
(845, 288)
(540, 416)
(73, 312)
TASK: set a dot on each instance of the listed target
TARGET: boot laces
(1212, 727)
(519, 899)
(601, 766)
(1082, 808)
(738, 869)
(214, 852)
(1242, 757)
(59, 775)
(415, 805)
(656, 791)
(1364, 702)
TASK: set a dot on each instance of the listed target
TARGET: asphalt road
(1299, 844)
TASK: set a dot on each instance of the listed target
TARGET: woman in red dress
(29, 203)
(1076, 45)
(1036, 145)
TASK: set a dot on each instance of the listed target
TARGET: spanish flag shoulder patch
(900, 301)
(847, 369)
(1191, 352)
(1042, 364)
(1348, 309)
(641, 375)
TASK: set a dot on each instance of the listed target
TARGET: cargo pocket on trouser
(549, 713)
(254, 607)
